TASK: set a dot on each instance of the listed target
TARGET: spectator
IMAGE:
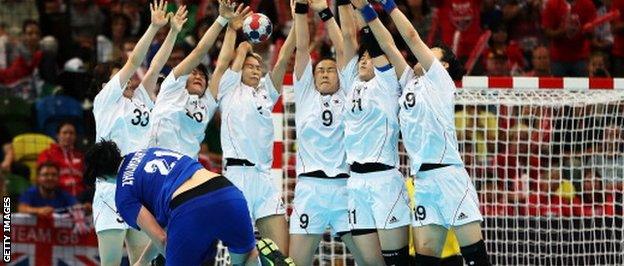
(461, 17)
(14, 12)
(421, 16)
(569, 46)
(139, 22)
(119, 31)
(595, 199)
(617, 28)
(603, 37)
(85, 18)
(497, 64)
(522, 18)
(608, 158)
(478, 128)
(598, 66)
(69, 160)
(46, 198)
(553, 197)
(493, 201)
(540, 60)
(177, 55)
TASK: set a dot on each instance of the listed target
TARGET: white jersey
(124, 121)
(320, 128)
(371, 116)
(427, 118)
(179, 118)
(246, 122)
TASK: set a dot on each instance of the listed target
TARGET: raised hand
(159, 15)
(318, 5)
(244, 47)
(227, 8)
(359, 3)
(242, 12)
(178, 20)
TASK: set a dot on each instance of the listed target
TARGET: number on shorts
(328, 118)
(420, 213)
(352, 219)
(304, 221)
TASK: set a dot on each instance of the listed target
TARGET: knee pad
(424, 260)
(397, 257)
(476, 254)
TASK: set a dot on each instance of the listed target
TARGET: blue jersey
(149, 178)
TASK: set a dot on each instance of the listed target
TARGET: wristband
(343, 2)
(388, 5)
(368, 13)
(325, 14)
(301, 8)
(223, 21)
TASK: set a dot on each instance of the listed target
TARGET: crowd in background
(51, 47)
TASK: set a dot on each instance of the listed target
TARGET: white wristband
(223, 21)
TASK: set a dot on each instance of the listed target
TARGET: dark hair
(27, 23)
(62, 124)
(456, 68)
(204, 71)
(321, 60)
(47, 164)
(102, 159)
(102, 74)
(125, 19)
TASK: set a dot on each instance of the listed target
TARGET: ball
(257, 28)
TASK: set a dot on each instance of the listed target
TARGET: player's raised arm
(226, 12)
(381, 37)
(279, 70)
(422, 52)
(335, 35)
(302, 39)
(349, 30)
(159, 19)
(176, 22)
(226, 55)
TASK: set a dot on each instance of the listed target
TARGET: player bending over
(159, 188)
(183, 107)
(121, 112)
(320, 195)
(445, 196)
(246, 102)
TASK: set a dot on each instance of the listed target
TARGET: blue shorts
(199, 220)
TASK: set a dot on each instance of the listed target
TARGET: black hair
(102, 159)
(125, 19)
(47, 164)
(63, 123)
(29, 22)
(101, 74)
(204, 72)
(456, 68)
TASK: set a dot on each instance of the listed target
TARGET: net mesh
(548, 166)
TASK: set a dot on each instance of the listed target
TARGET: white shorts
(263, 198)
(378, 200)
(105, 215)
(445, 196)
(319, 203)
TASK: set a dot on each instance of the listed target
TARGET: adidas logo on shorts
(462, 216)
(393, 220)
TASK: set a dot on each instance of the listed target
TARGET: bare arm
(279, 70)
(335, 35)
(41, 211)
(349, 31)
(302, 41)
(226, 10)
(227, 49)
(149, 253)
(159, 19)
(152, 229)
(241, 53)
(410, 35)
(151, 77)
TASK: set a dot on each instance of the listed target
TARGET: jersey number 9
(410, 100)
(328, 118)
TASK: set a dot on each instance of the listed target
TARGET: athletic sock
(424, 260)
(475, 254)
(397, 257)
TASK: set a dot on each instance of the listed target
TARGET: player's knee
(396, 257)
(475, 254)
(425, 260)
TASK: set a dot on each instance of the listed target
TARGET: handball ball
(257, 28)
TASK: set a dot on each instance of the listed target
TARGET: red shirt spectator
(542, 204)
(618, 34)
(69, 160)
(569, 45)
(463, 16)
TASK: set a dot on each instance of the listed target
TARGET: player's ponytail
(101, 160)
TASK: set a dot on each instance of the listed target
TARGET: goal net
(548, 165)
